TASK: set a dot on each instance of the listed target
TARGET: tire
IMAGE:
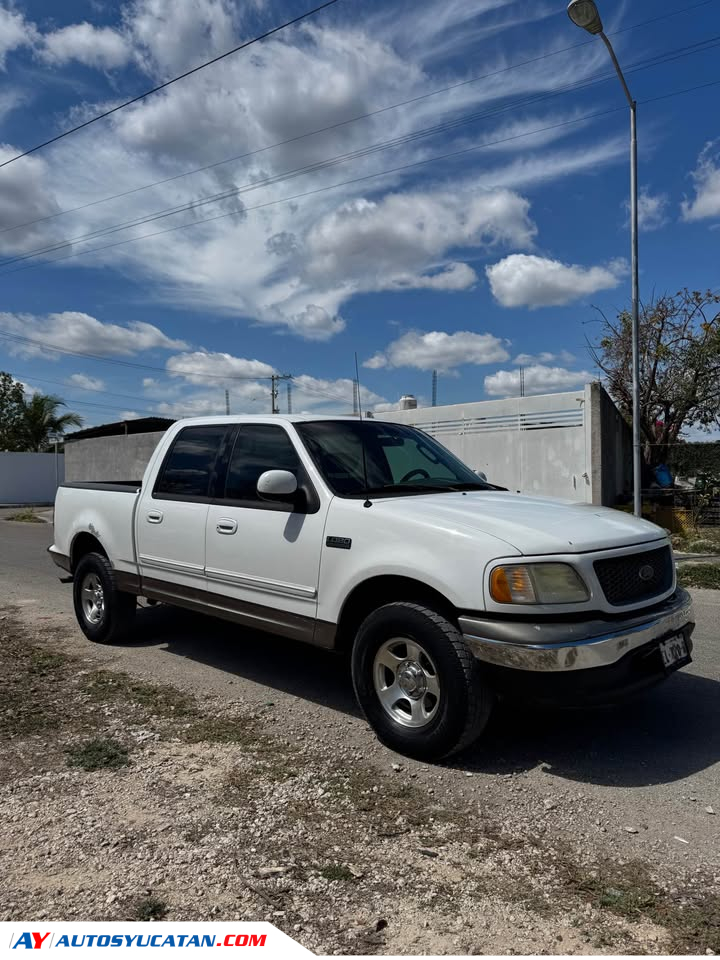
(423, 651)
(105, 614)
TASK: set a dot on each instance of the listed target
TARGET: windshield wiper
(409, 487)
(456, 487)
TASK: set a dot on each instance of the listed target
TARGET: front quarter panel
(449, 558)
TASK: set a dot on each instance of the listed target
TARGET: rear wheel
(104, 612)
(419, 686)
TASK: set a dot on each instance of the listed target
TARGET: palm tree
(41, 422)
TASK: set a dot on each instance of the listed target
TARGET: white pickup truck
(371, 537)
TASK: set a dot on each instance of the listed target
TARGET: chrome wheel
(93, 598)
(406, 682)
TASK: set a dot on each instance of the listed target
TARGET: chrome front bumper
(560, 647)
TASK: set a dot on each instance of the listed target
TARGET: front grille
(640, 576)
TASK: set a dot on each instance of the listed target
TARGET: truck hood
(531, 525)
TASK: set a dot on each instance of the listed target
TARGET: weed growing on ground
(101, 753)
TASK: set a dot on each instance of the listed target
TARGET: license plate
(674, 651)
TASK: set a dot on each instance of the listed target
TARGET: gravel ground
(133, 799)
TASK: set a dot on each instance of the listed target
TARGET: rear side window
(191, 463)
(258, 447)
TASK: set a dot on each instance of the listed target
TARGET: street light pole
(584, 13)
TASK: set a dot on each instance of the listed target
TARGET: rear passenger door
(263, 557)
(171, 517)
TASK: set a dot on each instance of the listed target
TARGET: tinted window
(188, 468)
(258, 447)
(359, 455)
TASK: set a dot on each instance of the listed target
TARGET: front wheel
(419, 686)
(105, 614)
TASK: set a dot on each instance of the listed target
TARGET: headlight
(537, 583)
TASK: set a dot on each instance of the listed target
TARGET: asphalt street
(650, 766)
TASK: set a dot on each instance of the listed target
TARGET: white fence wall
(30, 477)
(535, 445)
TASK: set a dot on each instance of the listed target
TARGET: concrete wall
(110, 458)
(534, 445)
(611, 442)
(29, 477)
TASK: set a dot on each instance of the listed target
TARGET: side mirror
(482, 475)
(276, 485)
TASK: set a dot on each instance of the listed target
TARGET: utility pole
(274, 381)
(289, 395)
(356, 397)
(522, 381)
(434, 388)
(585, 14)
(227, 402)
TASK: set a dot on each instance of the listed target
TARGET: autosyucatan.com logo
(200, 937)
(38, 940)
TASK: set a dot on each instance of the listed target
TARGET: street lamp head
(584, 13)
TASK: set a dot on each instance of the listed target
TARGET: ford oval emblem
(646, 572)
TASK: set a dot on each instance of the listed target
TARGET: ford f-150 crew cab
(371, 537)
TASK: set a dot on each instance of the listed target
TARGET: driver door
(263, 557)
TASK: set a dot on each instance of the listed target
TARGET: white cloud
(652, 210)
(438, 350)
(706, 177)
(173, 35)
(82, 333)
(15, 31)
(526, 280)
(390, 242)
(85, 382)
(25, 195)
(527, 359)
(101, 47)
(453, 276)
(308, 394)
(201, 366)
(315, 323)
(538, 379)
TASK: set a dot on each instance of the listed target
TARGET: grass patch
(31, 681)
(704, 575)
(149, 908)
(704, 540)
(336, 871)
(220, 730)
(161, 700)
(101, 753)
(628, 891)
(25, 516)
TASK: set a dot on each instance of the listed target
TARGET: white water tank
(408, 402)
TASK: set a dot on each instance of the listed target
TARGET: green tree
(679, 367)
(42, 422)
(12, 402)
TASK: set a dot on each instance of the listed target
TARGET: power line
(318, 166)
(167, 83)
(354, 180)
(124, 363)
(303, 388)
(350, 120)
(648, 63)
(74, 386)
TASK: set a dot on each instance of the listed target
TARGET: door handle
(226, 526)
(154, 517)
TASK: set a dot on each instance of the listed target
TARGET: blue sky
(473, 264)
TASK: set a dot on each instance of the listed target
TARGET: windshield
(397, 459)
